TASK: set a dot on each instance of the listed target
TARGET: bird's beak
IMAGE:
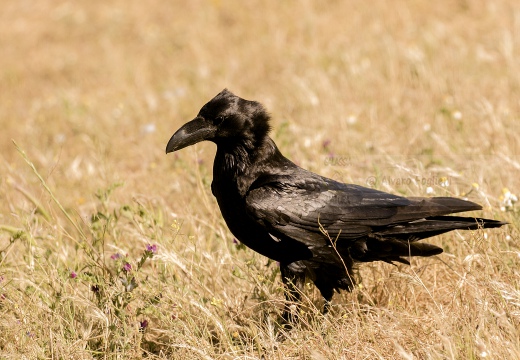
(191, 133)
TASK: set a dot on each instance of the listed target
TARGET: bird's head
(226, 119)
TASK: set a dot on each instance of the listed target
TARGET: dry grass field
(109, 249)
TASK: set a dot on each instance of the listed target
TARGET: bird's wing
(295, 205)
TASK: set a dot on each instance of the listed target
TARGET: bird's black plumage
(291, 215)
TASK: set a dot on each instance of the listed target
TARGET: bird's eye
(219, 120)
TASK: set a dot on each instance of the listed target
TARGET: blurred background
(92, 91)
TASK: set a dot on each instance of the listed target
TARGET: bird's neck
(236, 158)
(241, 163)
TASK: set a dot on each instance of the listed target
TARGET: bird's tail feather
(391, 244)
(435, 225)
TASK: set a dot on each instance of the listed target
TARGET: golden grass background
(403, 95)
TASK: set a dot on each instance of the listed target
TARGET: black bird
(314, 226)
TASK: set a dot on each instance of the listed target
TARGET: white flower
(457, 115)
(352, 119)
(508, 200)
(148, 128)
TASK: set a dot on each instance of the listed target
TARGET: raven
(315, 227)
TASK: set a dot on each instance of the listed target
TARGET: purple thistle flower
(73, 274)
(115, 256)
(127, 267)
(151, 248)
(143, 324)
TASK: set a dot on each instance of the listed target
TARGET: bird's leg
(327, 292)
(293, 287)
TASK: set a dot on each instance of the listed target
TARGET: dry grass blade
(49, 191)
